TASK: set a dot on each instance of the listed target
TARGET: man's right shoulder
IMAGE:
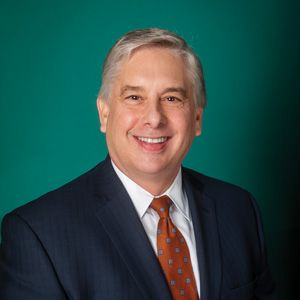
(64, 197)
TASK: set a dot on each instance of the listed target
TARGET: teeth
(152, 141)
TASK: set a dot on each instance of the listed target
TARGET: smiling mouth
(153, 141)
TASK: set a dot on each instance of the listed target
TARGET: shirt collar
(142, 199)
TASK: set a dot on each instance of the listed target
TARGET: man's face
(151, 121)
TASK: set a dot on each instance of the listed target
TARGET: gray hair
(152, 37)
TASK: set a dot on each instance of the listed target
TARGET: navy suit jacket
(85, 241)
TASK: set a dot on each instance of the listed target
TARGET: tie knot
(162, 206)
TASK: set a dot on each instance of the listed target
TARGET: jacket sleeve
(265, 288)
(26, 271)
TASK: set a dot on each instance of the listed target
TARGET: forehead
(154, 54)
(154, 63)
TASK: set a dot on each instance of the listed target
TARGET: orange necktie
(173, 254)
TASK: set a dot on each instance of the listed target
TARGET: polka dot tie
(173, 254)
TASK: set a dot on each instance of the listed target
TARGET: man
(100, 236)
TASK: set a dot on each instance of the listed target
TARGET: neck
(155, 187)
(155, 184)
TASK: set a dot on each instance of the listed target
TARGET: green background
(51, 56)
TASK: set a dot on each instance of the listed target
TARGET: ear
(103, 109)
(198, 121)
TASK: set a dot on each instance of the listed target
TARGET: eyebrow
(176, 90)
(131, 88)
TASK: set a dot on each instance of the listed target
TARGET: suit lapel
(207, 238)
(122, 224)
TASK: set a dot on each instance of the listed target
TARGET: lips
(152, 141)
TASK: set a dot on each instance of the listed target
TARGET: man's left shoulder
(227, 200)
(214, 188)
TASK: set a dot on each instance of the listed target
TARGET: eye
(134, 97)
(172, 102)
(172, 99)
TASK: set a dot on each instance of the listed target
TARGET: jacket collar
(118, 217)
(204, 219)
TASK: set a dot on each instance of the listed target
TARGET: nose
(154, 115)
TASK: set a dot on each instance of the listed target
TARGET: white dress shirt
(179, 214)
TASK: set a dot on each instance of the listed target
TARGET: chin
(151, 167)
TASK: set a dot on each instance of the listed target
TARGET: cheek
(122, 120)
(183, 122)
